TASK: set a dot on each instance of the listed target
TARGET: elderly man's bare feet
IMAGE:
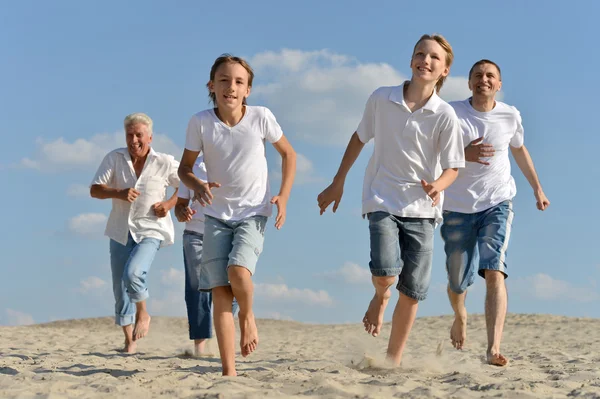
(373, 320)
(129, 347)
(142, 325)
(248, 332)
(496, 359)
(458, 332)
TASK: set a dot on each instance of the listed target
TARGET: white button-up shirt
(138, 218)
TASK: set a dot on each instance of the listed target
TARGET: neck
(231, 117)
(483, 104)
(141, 159)
(417, 94)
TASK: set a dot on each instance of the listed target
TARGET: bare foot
(373, 320)
(142, 325)
(458, 332)
(497, 359)
(129, 347)
(229, 373)
(249, 335)
(199, 347)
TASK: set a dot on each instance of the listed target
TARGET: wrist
(339, 179)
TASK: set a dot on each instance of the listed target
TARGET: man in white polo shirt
(478, 206)
(136, 179)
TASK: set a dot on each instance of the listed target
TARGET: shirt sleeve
(272, 131)
(450, 143)
(173, 175)
(106, 170)
(517, 139)
(366, 127)
(184, 192)
(193, 135)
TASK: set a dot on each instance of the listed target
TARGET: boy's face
(230, 86)
(485, 80)
(428, 63)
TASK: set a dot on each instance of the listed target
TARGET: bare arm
(334, 192)
(525, 163)
(288, 172)
(434, 189)
(183, 213)
(201, 189)
(102, 191)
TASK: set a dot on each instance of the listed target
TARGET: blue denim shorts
(402, 246)
(476, 241)
(228, 243)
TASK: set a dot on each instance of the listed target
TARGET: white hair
(138, 117)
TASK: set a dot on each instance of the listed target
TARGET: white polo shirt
(197, 222)
(409, 146)
(480, 187)
(235, 158)
(160, 171)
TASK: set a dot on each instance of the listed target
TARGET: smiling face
(138, 138)
(485, 80)
(428, 62)
(230, 86)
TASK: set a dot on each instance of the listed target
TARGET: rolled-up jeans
(130, 265)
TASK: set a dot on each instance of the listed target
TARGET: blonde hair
(441, 40)
(224, 59)
(138, 117)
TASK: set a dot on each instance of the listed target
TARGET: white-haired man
(136, 179)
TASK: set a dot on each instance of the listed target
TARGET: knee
(134, 277)
(383, 282)
(238, 274)
(493, 277)
(457, 287)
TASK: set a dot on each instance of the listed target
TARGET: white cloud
(16, 318)
(350, 273)
(60, 154)
(88, 224)
(281, 292)
(273, 316)
(173, 277)
(305, 171)
(320, 96)
(91, 284)
(544, 287)
(78, 191)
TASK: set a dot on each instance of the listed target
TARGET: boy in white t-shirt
(236, 196)
(478, 207)
(416, 136)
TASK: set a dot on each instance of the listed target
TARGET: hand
(542, 202)
(204, 195)
(333, 193)
(129, 194)
(477, 150)
(184, 213)
(160, 209)
(281, 203)
(432, 191)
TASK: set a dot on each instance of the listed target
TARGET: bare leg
(225, 329)
(199, 346)
(458, 332)
(402, 322)
(142, 321)
(495, 314)
(130, 344)
(243, 290)
(373, 320)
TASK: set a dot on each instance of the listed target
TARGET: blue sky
(72, 70)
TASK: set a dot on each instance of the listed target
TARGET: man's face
(485, 80)
(138, 140)
(230, 86)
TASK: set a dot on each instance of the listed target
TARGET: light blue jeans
(130, 265)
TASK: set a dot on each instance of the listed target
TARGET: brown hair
(484, 61)
(441, 40)
(224, 59)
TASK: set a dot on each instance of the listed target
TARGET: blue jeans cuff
(124, 320)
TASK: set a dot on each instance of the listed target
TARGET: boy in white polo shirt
(478, 207)
(416, 136)
(236, 196)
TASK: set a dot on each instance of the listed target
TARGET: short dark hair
(484, 61)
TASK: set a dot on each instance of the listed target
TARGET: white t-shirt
(235, 158)
(160, 171)
(480, 187)
(409, 146)
(197, 222)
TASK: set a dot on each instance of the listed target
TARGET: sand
(551, 357)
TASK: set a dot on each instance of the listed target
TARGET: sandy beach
(551, 357)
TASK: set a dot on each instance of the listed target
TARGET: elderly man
(136, 178)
